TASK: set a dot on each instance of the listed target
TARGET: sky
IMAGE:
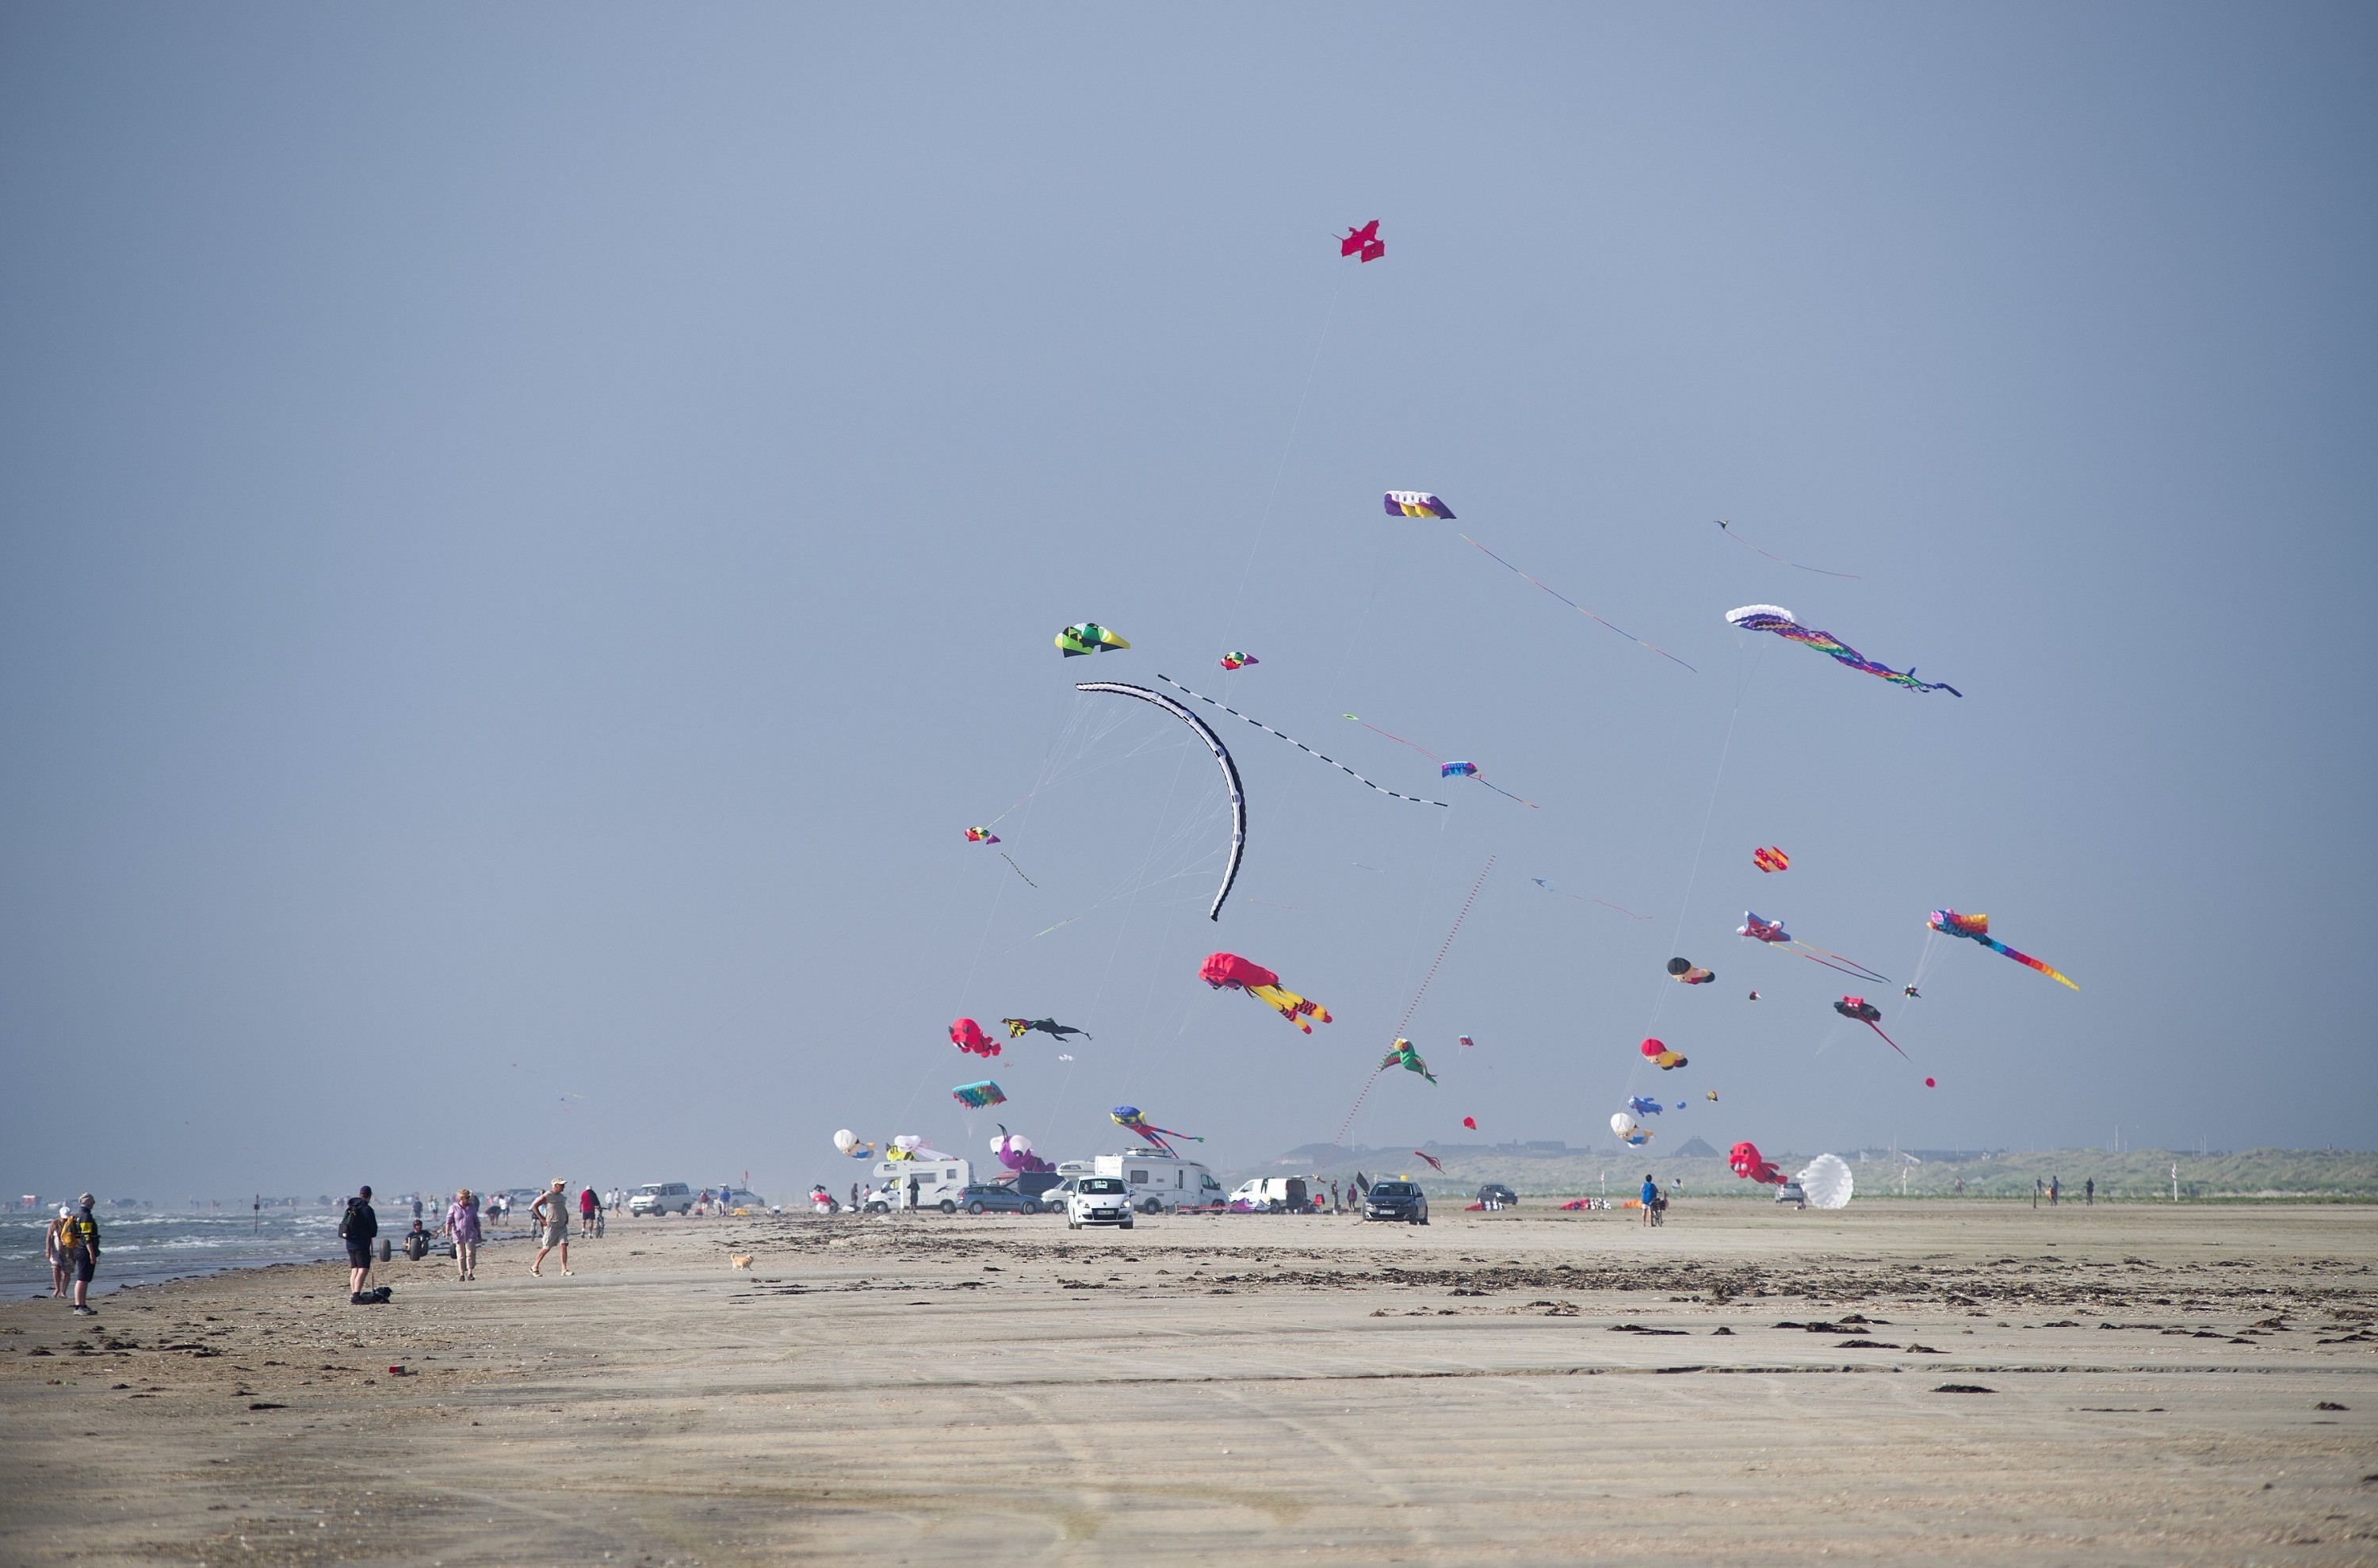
(527, 533)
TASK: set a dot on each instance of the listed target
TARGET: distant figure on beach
(2089, 1192)
(2035, 1192)
(1957, 1187)
(78, 1236)
(588, 1207)
(1335, 1207)
(358, 1227)
(462, 1226)
(2051, 1191)
(854, 1197)
(551, 1210)
(55, 1248)
(1649, 1198)
(416, 1208)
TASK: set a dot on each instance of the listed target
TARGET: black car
(1494, 1195)
(992, 1198)
(1396, 1200)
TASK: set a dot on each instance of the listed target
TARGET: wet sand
(1741, 1386)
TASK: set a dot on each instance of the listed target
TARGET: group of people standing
(72, 1246)
(466, 1219)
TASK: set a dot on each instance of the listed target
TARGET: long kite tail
(1847, 966)
(1573, 604)
(1300, 745)
(1888, 1040)
(1017, 869)
(2024, 959)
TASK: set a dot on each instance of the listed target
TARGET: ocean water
(140, 1245)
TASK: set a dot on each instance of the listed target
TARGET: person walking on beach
(358, 1227)
(463, 1228)
(2035, 1192)
(416, 1208)
(2089, 1193)
(2052, 1188)
(588, 1206)
(55, 1248)
(1649, 1198)
(79, 1239)
(551, 1210)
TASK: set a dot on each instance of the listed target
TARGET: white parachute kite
(1827, 1181)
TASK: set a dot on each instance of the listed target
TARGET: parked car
(1790, 1192)
(997, 1197)
(1099, 1201)
(1396, 1200)
(658, 1197)
(1494, 1195)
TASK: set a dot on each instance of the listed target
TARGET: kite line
(1300, 745)
(1771, 555)
(1445, 946)
(1573, 604)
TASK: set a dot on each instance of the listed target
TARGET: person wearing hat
(358, 1227)
(54, 1246)
(551, 1210)
(78, 1242)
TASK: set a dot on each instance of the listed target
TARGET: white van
(917, 1184)
(1280, 1195)
(1161, 1182)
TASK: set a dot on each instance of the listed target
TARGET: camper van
(937, 1184)
(1276, 1195)
(1160, 1182)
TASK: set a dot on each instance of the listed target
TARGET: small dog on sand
(740, 1260)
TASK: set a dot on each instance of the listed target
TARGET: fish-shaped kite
(1364, 242)
(1016, 1028)
(1090, 637)
(1776, 619)
(1976, 928)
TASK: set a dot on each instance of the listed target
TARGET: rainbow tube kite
(1776, 619)
(1976, 928)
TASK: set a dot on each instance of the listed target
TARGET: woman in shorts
(462, 1229)
(53, 1244)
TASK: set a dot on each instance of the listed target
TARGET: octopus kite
(1229, 970)
(1776, 619)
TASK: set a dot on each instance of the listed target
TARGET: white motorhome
(1160, 1182)
(917, 1184)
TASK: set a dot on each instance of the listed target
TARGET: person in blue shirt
(1650, 1198)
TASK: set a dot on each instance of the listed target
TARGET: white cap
(65, 1213)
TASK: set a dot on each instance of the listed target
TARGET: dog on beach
(740, 1260)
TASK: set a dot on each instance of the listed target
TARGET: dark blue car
(991, 1197)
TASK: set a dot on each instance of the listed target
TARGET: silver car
(661, 1198)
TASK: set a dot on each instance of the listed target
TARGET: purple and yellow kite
(1776, 619)
(1976, 928)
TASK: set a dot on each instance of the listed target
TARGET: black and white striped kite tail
(1300, 745)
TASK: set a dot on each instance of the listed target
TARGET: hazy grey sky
(530, 531)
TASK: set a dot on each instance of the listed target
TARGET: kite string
(1573, 603)
(1402, 1024)
(1727, 528)
(1279, 470)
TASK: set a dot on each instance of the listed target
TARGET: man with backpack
(79, 1243)
(359, 1226)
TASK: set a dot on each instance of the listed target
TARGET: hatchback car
(996, 1198)
(1099, 1201)
(1396, 1200)
(1494, 1195)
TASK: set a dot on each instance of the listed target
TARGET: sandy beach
(2164, 1385)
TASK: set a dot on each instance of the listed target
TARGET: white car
(1099, 1201)
(661, 1198)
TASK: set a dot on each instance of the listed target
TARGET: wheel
(1151, 1206)
(973, 1207)
(949, 1205)
(1031, 1207)
(1421, 1221)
